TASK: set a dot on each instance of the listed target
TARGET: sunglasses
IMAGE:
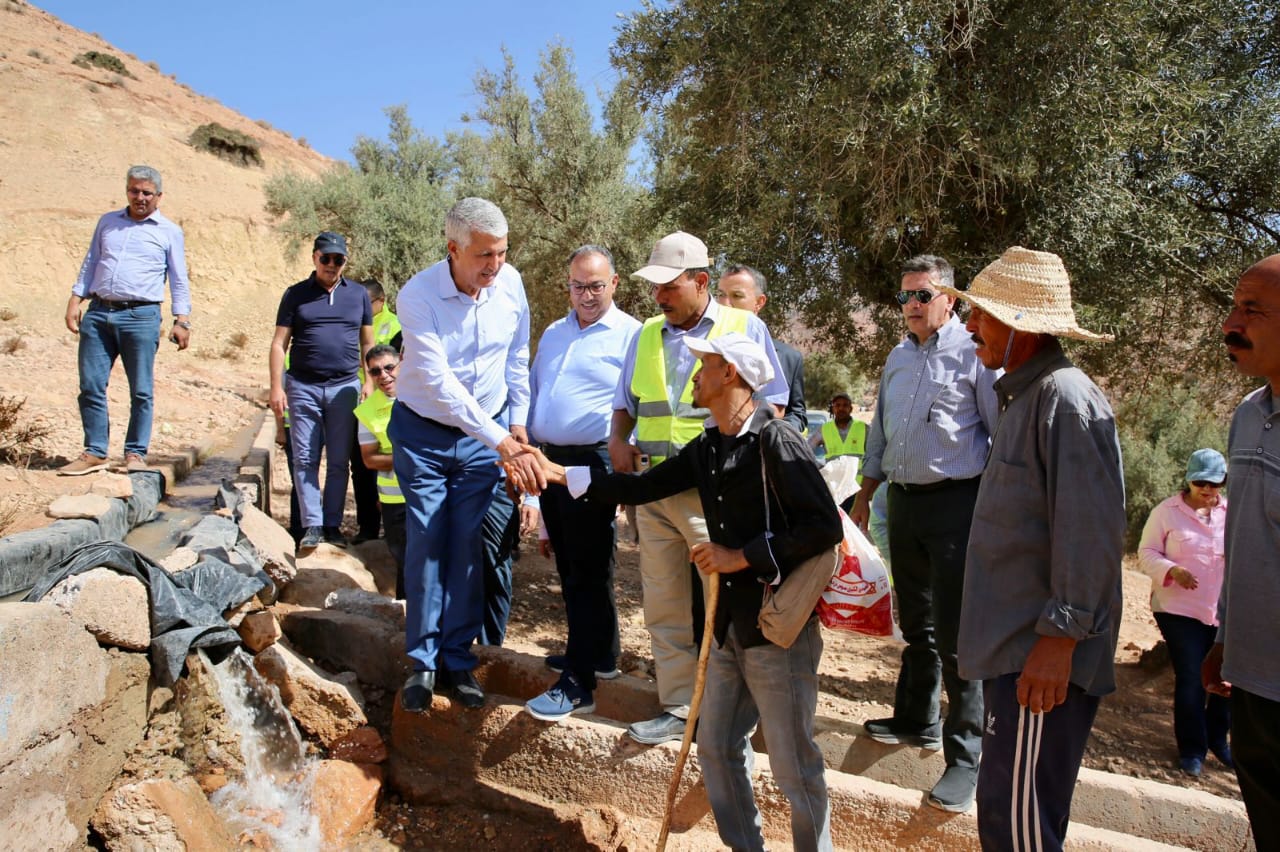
(1204, 483)
(333, 259)
(595, 288)
(924, 297)
(390, 370)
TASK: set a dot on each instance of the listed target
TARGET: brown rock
(363, 745)
(323, 707)
(236, 614)
(272, 543)
(111, 606)
(180, 560)
(91, 506)
(326, 570)
(160, 813)
(373, 649)
(112, 485)
(369, 604)
(259, 630)
(343, 798)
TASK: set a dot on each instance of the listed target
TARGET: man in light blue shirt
(573, 379)
(123, 275)
(462, 404)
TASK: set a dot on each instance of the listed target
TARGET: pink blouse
(1176, 534)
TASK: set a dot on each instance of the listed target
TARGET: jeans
(582, 534)
(928, 537)
(321, 419)
(1198, 725)
(132, 335)
(448, 480)
(500, 533)
(777, 687)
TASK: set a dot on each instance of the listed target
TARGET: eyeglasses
(595, 288)
(1204, 483)
(333, 259)
(378, 371)
(144, 193)
(924, 297)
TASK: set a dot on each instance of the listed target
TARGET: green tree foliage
(828, 373)
(826, 141)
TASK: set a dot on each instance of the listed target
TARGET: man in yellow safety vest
(373, 415)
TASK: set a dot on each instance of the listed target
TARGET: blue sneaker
(561, 701)
(1190, 766)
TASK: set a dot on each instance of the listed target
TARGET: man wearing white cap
(1042, 606)
(654, 398)
(750, 680)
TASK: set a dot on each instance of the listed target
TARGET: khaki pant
(668, 529)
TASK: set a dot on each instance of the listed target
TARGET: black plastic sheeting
(186, 608)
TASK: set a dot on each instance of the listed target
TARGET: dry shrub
(8, 514)
(231, 145)
(17, 435)
(14, 344)
(240, 339)
(7, 314)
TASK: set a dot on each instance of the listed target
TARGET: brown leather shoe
(87, 463)
(133, 463)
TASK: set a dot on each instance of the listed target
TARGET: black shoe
(333, 535)
(954, 792)
(467, 689)
(897, 732)
(416, 695)
(363, 536)
(559, 662)
(312, 537)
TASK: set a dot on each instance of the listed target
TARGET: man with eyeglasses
(123, 275)
(325, 322)
(373, 415)
(572, 380)
(934, 418)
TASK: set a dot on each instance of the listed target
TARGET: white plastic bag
(841, 475)
(859, 598)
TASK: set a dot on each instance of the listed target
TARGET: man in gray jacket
(1041, 610)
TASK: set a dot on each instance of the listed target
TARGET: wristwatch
(182, 324)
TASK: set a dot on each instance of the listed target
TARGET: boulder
(271, 543)
(91, 506)
(368, 604)
(179, 560)
(325, 571)
(363, 745)
(111, 606)
(344, 797)
(258, 630)
(161, 814)
(209, 742)
(371, 648)
(236, 615)
(325, 708)
(112, 485)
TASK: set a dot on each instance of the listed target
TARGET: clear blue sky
(325, 70)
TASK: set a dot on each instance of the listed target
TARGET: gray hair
(933, 265)
(144, 173)
(591, 248)
(757, 277)
(471, 215)
(380, 350)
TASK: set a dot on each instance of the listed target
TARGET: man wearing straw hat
(1041, 610)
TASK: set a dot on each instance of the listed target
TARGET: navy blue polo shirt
(325, 327)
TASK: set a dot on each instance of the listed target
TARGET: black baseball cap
(330, 243)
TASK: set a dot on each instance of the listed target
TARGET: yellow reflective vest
(853, 444)
(661, 430)
(375, 414)
(386, 326)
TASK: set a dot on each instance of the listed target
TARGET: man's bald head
(1265, 271)
(1251, 332)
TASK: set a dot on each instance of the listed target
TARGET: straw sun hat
(1027, 291)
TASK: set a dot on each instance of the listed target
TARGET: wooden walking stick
(699, 684)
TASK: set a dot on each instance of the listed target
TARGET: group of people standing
(999, 459)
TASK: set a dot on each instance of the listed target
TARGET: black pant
(499, 534)
(1200, 721)
(928, 537)
(393, 520)
(582, 534)
(364, 483)
(1255, 748)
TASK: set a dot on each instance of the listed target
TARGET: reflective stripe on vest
(854, 444)
(661, 432)
(386, 325)
(375, 414)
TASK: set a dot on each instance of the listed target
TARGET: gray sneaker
(663, 729)
(954, 792)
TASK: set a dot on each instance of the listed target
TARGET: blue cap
(330, 243)
(1206, 465)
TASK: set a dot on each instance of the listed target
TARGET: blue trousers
(448, 482)
(1200, 720)
(777, 687)
(132, 335)
(1029, 766)
(321, 419)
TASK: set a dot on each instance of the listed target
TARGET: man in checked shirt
(934, 418)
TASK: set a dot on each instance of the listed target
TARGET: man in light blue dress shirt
(462, 404)
(123, 276)
(574, 375)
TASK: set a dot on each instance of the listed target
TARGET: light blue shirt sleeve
(131, 260)
(518, 392)
(623, 398)
(776, 392)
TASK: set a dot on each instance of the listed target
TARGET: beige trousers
(668, 529)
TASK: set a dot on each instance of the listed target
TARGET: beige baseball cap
(672, 255)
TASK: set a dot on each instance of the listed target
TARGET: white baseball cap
(672, 255)
(740, 351)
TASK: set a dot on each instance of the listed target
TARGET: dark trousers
(1255, 747)
(295, 512)
(1029, 766)
(1198, 724)
(928, 537)
(393, 520)
(499, 534)
(582, 534)
(364, 484)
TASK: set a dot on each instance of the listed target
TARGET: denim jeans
(1198, 724)
(777, 687)
(132, 335)
(321, 418)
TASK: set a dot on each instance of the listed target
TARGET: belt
(934, 486)
(574, 448)
(454, 430)
(122, 304)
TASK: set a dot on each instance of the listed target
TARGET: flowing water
(273, 799)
